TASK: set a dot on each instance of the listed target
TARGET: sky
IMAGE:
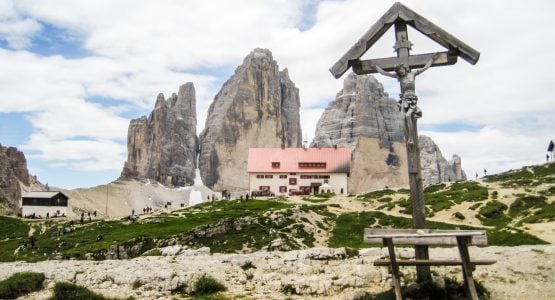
(73, 73)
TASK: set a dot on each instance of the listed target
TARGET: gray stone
(364, 118)
(13, 170)
(163, 146)
(435, 168)
(257, 107)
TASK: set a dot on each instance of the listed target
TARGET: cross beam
(361, 67)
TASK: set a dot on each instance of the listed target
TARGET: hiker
(547, 157)
(32, 241)
(47, 215)
(82, 217)
(485, 172)
(132, 212)
(476, 175)
(94, 214)
(247, 196)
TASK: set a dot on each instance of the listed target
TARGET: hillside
(516, 208)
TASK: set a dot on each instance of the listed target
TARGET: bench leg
(394, 268)
(462, 242)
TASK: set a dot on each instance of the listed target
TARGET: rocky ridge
(13, 174)
(257, 107)
(316, 273)
(364, 118)
(163, 146)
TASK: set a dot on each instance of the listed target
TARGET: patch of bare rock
(523, 272)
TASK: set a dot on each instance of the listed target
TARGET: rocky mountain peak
(163, 146)
(257, 107)
(364, 118)
(13, 173)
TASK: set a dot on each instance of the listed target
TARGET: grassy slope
(497, 206)
(161, 226)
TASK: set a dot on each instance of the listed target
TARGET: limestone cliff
(163, 146)
(13, 173)
(257, 107)
(435, 168)
(363, 117)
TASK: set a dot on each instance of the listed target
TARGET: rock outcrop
(257, 107)
(364, 118)
(13, 173)
(435, 168)
(163, 146)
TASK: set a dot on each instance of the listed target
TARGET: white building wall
(337, 181)
(40, 211)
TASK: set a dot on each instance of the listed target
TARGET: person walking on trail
(485, 172)
(476, 176)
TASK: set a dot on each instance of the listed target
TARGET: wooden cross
(400, 16)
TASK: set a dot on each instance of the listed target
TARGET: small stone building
(42, 203)
(313, 170)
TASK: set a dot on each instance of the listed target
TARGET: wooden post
(394, 268)
(462, 242)
(402, 46)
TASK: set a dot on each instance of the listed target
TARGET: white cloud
(84, 155)
(136, 49)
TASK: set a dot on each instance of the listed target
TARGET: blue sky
(78, 71)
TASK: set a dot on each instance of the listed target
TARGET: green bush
(459, 215)
(493, 209)
(12, 228)
(66, 290)
(377, 194)
(492, 214)
(20, 284)
(289, 289)
(526, 202)
(207, 285)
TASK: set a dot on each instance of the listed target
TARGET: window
(292, 173)
(312, 165)
(259, 176)
(264, 188)
(326, 181)
(283, 189)
(275, 164)
(282, 176)
(292, 181)
(268, 176)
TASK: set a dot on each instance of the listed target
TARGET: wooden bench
(461, 238)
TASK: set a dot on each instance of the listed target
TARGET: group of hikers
(88, 215)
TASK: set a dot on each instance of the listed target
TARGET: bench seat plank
(425, 262)
(424, 236)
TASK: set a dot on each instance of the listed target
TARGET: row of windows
(261, 176)
(315, 176)
(312, 165)
(276, 164)
(265, 176)
(283, 189)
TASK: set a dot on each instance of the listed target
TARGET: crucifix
(405, 67)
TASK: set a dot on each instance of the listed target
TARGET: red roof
(337, 160)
